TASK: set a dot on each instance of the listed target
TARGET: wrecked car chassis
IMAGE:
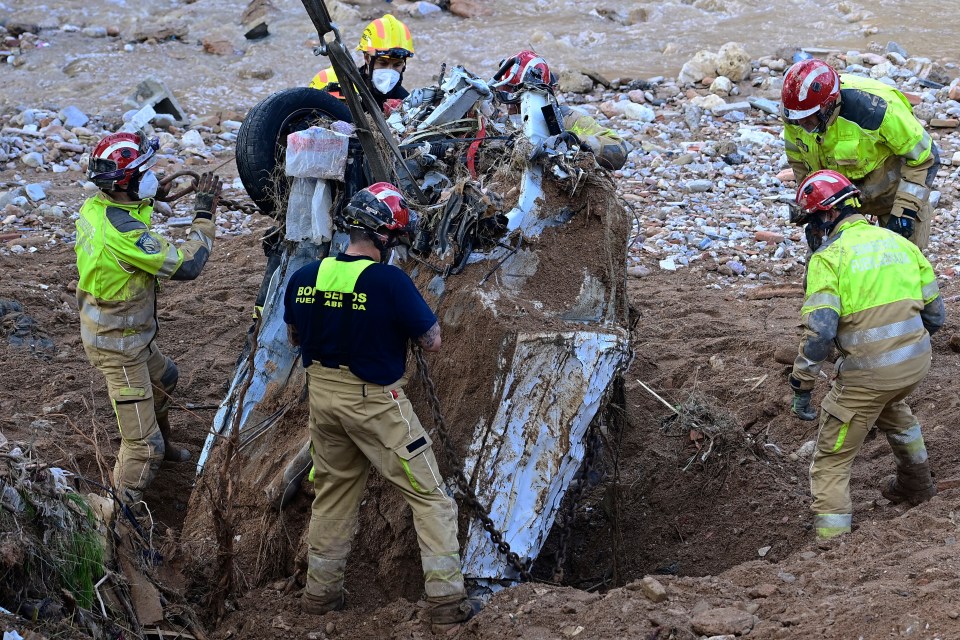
(552, 376)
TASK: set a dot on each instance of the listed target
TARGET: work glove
(903, 224)
(801, 405)
(208, 195)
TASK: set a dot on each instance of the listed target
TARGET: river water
(569, 33)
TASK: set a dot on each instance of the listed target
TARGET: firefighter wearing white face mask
(120, 261)
(386, 44)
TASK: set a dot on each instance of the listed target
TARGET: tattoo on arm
(428, 338)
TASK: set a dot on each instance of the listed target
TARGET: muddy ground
(700, 532)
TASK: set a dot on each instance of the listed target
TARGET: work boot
(171, 452)
(316, 606)
(442, 613)
(895, 492)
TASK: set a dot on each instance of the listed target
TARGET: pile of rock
(46, 152)
(708, 180)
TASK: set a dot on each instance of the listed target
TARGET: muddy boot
(171, 452)
(282, 491)
(316, 606)
(897, 490)
(444, 613)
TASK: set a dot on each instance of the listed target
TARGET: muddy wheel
(262, 139)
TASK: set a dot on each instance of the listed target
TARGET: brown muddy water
(96, 73)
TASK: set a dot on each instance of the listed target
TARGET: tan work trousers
(847, 414)
(353, 425)
(879, 189)
(139, 388)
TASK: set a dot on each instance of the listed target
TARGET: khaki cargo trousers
(353, 425)
(847, 414)
(139, 388)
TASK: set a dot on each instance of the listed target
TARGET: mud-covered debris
(20, 329)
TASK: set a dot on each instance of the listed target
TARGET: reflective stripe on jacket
(878, 283)
(119, 261)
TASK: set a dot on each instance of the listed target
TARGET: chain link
(574, 495)
(463, 485)
(243, 207)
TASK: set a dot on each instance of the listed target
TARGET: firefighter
(873, 294)
(865, 130)
(120, 262)
(352, 316)
(386, 44)
(528, 68)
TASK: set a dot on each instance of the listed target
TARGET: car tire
(262, 139)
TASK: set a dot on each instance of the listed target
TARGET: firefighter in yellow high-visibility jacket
(871, 293)
(866, 131)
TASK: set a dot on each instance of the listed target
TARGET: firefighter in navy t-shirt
(352, 316)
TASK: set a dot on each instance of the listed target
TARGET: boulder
(734, 62)
(721, 86)
(571, 81)
(702, 64)
(469, 8)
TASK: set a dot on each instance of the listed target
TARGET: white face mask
(385, 79)
(148, 185)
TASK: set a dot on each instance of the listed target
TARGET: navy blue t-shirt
(363, 324)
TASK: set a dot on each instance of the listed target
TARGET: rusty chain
(482, 514)
(575, 494)
(229, 204)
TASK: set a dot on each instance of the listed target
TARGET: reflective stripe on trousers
(830, 525)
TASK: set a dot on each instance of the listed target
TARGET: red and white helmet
(119, 156)
(822, 191)
(523, 69)
(380, 209)
(809, 86)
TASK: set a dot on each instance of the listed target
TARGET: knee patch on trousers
(170, 376)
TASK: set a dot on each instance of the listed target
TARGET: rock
(882, 70)
(945, 123)
(719, 110)
(709, 101)
(16, 29)
(161, 31)
(721, 86)
(893, 47)
(571, 81)
(762, 104)
(35, 192)
(469, 8)
(873, 59)
(653, 590)
(806, 449)
(638, 271)
(668, 265)
(73, 117)
(722, 621)
(256, 30)
(703, 63)
(698, 186)
(638, 112)
(637, 96)
(786, 175)
(217, 47)
(32, 159)
(763, 551)
(192, 140)
(765, 590)
(733, 62)
(94, 32)
(254, 73)
(692, 114)
(954, 93)
(768, 236)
